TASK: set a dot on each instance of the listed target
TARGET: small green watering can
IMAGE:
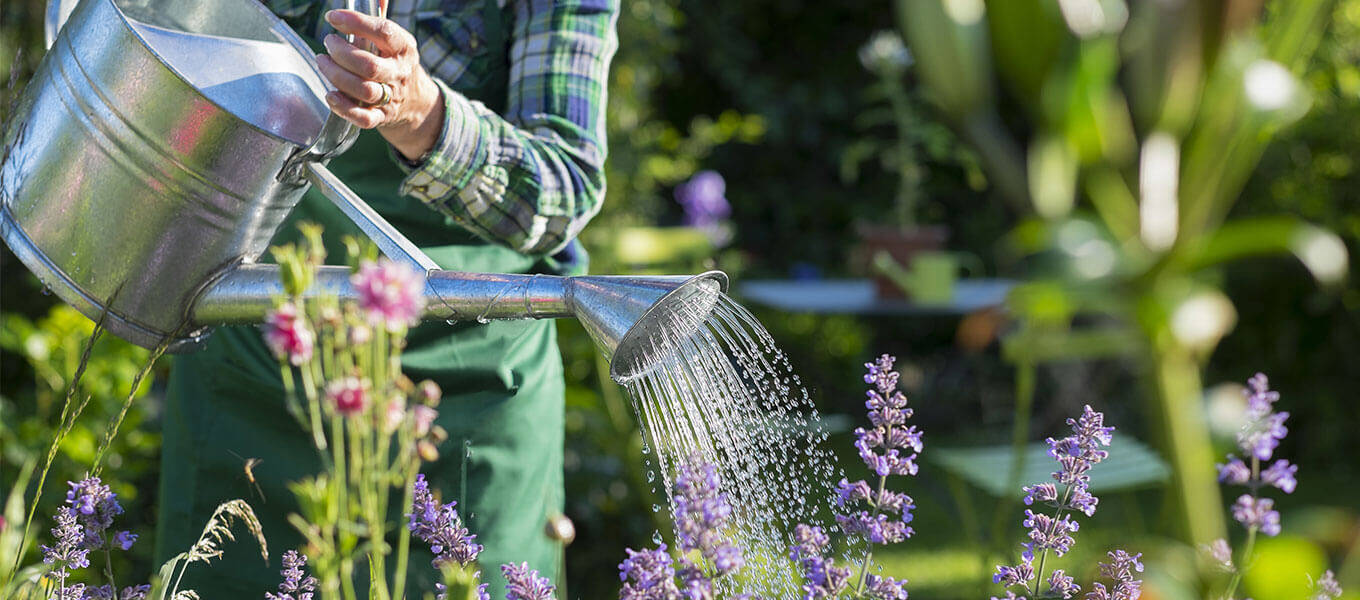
(930, 277)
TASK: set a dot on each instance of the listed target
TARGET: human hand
(387, 90)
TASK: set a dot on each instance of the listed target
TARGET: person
(484, 143)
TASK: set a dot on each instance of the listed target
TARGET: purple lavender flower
(1076, 455)
(885, 588)
(135, 592)
(523, 583)
(1120, 569)
(1221, 553)
(700, 513)
(95, 507)
(69, 551)
(442, 591)
(647, 575)
(1326, 587)
(703, 198)
(124, 539)
(75, 591)
(296, 585)
(441, 527)
(1061, 584)
(1257, 513)
(821, 578)
(1258, 440)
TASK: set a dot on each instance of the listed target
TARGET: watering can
(161, 144)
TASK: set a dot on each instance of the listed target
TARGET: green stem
(1188, 446)
(404, 538)
(874, 502)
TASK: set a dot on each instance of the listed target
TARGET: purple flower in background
(441, 527)
(1326, 587)
(296, 584)
(287, 334)
(1120, 569)
(135, 592)
(1257, 513)
(124, 539)
(704, 199)
(1257, 440)
(442, 591)
(523, 583)
(95, 507)
(885, 588)
(390, 293)
(1076, 455)
(69, 551)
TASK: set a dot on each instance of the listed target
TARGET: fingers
(360, 116)
(388, 37)
(368, 92)
(360, 62)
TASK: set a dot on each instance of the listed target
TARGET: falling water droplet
(450, 322)
(483, 320)
(651, 476)
(656, 537)
(46, 291)
(656, 508)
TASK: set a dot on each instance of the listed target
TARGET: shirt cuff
(457, 155)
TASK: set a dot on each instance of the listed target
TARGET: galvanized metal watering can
(159, 147)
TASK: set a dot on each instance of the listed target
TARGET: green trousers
(503, 409)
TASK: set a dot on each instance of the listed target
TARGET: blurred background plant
(772, 96)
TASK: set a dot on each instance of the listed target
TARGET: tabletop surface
(857, 296)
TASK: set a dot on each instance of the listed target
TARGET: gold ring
(386, 95)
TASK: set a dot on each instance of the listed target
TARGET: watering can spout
(630, 318)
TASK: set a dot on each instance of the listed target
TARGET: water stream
(726, 393)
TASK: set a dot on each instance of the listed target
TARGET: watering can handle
(390, 241)
(337, 135)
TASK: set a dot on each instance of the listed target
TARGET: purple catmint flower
(1009, 596)
(1234, 472)
(885, 588)
(441, 527)
(124, 539)
(75, 591)
(700, 513)
(95, 506)
(296, 584)
(1120, 569)
(135, 592)
(876, 528)
(647, 575)
(1062, 584)
(1040, 492)
(391, 294)
(1326, 587)
(1221, 553)
(821, 578)
(442, 591)
(288, 335)
(1257, 513)
(703, 199)
(1076, 455)
(523, 583)
(1020, 574)
(98, 592)
(1281, 475)
(69, 551)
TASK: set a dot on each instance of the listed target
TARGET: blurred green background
(812, 139)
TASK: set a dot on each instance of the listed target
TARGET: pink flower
(390, 293)
(288, 335)
(396, 412)
(348, 395)
(424, 417)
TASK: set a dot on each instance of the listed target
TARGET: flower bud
(359, 334)
(427, 451)
(430, 392)
(438, 434)
(349, 396)
(395, 413)
(424, 418)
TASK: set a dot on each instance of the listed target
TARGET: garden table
(857, 296)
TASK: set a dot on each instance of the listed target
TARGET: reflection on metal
(144, 175)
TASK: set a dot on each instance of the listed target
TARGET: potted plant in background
(891, 246)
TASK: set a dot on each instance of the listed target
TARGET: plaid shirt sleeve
(531, 178)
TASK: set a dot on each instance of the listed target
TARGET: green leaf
(1320, 251)
(1131, 465)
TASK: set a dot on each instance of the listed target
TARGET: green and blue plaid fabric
(532, 175)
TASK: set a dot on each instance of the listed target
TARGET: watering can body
(125, 187)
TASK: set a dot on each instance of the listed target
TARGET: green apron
(503, 408)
